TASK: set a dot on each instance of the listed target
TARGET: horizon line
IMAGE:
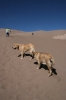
(35, 30)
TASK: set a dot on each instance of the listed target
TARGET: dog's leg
(31, 54)
(39, 64)
(32, 50)
(21, 55)
(49, 67)
(50, 70)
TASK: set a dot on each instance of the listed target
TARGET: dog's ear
(33, 53)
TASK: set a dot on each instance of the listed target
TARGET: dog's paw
(49, 75)
(37, 68)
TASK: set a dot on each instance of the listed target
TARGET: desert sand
(20, 79)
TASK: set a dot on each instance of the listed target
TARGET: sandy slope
(20, 79)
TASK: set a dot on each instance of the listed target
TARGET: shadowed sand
(20, 79)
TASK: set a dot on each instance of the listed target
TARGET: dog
(24, 48)
(44, 58)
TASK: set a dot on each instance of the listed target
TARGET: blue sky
(33, 15)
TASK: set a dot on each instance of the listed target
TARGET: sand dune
(20, 79)
(60, 37)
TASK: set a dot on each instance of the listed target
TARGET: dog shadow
(46, 68)
(25, 55)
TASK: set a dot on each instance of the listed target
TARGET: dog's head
(15, 46)
(34, 54)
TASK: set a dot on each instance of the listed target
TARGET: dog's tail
(52, 61)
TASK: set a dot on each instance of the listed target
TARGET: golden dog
(24, 48)
(44, 58)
